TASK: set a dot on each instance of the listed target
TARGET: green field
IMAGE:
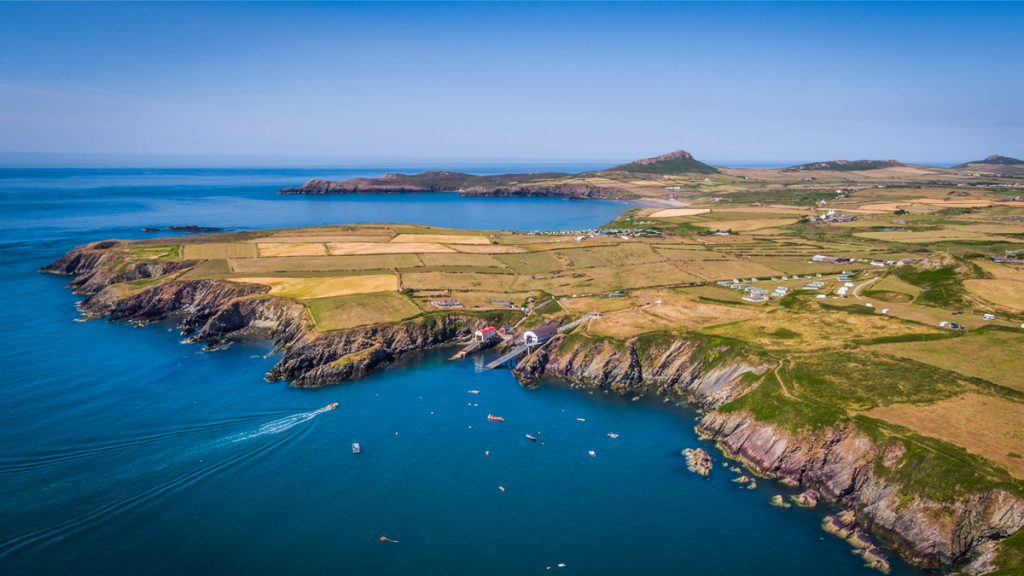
(341, 312)
(1003, 354)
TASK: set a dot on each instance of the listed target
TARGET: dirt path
(782, 383)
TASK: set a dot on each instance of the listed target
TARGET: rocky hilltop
(677, 162)
(996, 165)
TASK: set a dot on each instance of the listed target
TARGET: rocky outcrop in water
(699, 461)
(840, 464)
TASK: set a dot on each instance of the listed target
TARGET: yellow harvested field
(745, 225)
(326, 238)
(892, 283)
(670, 252)
(992, 228)
(985, 425)
(932, 203)
(724, 269)
(323, 287)
(1004, 363)
(342, 312)
(467, 281)
(1003, 271)
(627, 323)
(770, 210)
(481, 260)
(354, 248)
(813, 330)
(487, 249)
(441, 239)
(924, 237)
(595, 304)
(531, 262)
(214, 250)
(689, 314)
(323, 263)
(675, 313)
(1005, 294)
(291, 249)
(674, 212)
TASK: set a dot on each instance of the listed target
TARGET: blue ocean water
(123, 451)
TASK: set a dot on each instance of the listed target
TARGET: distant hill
(993, 159)
(678, 162)
(845, 165)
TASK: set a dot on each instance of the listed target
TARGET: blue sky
(728, 82)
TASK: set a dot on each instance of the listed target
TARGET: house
(755, 297)
(486, 334)
(504, 303)
(540, 335)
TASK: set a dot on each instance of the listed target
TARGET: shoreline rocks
(698, 461)
(806, 499)
(844, 525)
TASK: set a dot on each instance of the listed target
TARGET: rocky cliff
(680, 367)
(842, 463)
(215, 312)
(846, 466)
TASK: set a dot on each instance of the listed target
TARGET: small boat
(474, 391)
(355, 448)
(613, 435)
(331, 406)
(581, 419)
(531, 437)
(494, 418)
(591, 452)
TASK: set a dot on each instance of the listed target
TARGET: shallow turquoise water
(124, 451)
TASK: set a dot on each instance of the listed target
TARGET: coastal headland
(852, 331)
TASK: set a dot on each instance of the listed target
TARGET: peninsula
(668, 176)
(854, 329)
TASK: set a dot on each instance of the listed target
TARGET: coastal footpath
(852, 462)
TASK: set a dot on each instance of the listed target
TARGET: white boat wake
(279, 425)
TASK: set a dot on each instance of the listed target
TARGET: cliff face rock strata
(668, 367)
(215, 312)
(840, 463)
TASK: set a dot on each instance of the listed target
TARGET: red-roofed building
(486, 333)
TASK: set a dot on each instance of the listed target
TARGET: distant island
(660, 178)
(854, 332)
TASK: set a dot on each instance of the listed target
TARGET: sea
(125, 451)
